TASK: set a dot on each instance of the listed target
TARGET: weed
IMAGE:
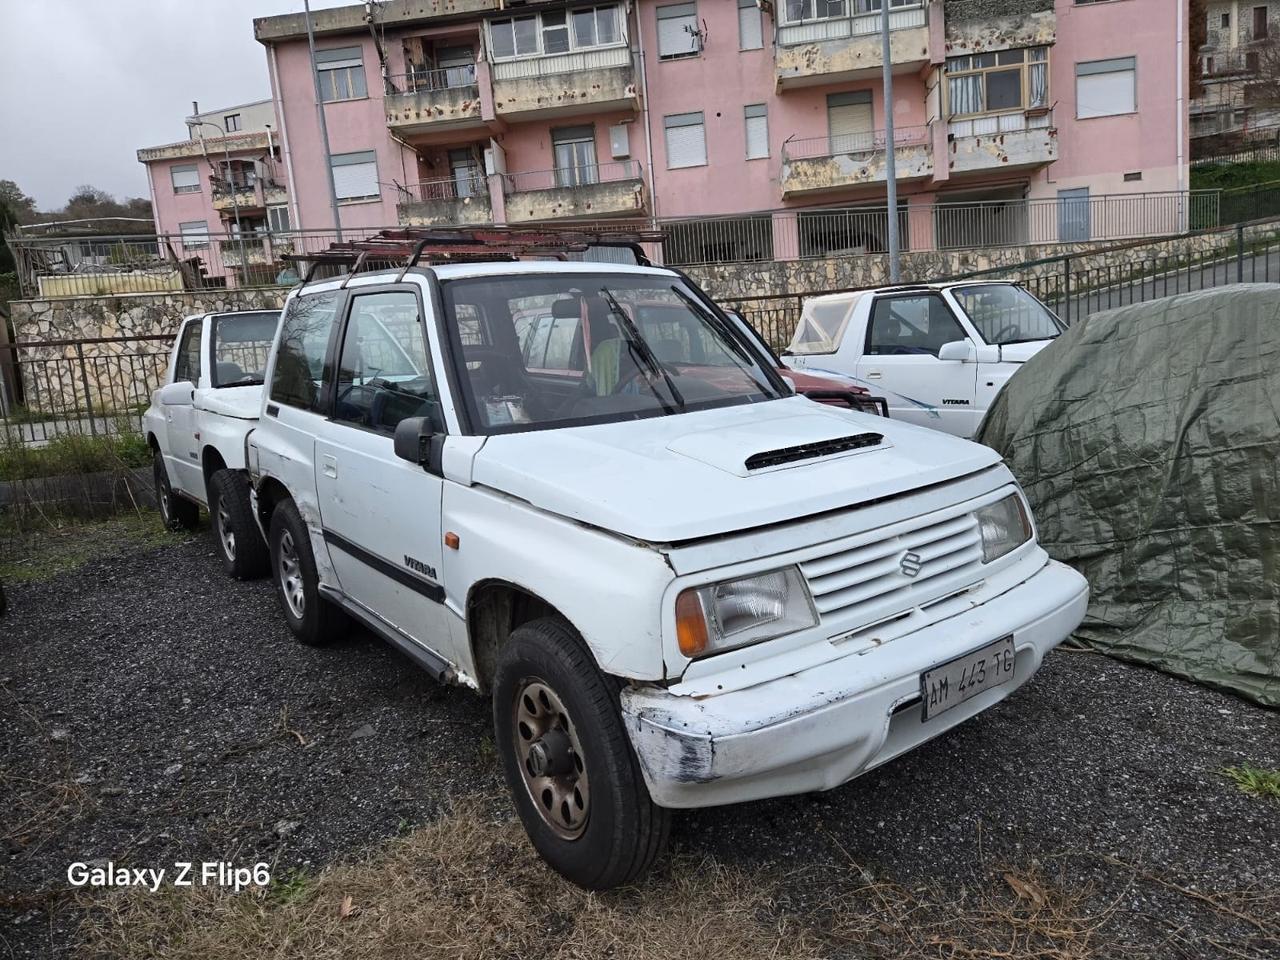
(71, 453)
(1255, 781)
(63, 545)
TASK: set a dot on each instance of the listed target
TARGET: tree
(21, 207)
(1262, 88)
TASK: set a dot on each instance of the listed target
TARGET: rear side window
(304, 341)
(187, 364)
(821, 327)
(911, 325)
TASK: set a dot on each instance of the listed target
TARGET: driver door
(904, 335)
(185, 472)
(381, 514)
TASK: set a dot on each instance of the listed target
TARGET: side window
(384, 374)
(187, 364)
(304, 340)
(911, 325)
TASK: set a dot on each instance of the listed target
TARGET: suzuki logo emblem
(910, 563)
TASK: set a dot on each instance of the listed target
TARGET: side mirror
(957, 350)
(417, 442)
(180, 394)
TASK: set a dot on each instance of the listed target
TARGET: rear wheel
(240, 545)
(569, 765)
(314, 620)
(176, 513)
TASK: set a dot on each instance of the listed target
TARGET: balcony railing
(1001, 123)
(570, 177)
(525, 67)
(863, 19)
(448, 188)
(854, 144)
(429, 81)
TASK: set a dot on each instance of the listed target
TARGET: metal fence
(96, 387)
(584, 175)
(1259, 145)
(1077, 284)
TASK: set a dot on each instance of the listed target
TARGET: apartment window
(186, 178)
(686, 140)
(678, 34)
(1004, 80)
(341, 74)
(231, 122)
(797, 11)
(575, 155)
(1251, 61)
(1106, 88)
(278, 219)
(1226, 21)
(556, 32)
(1260, 30)
(1209, 66)
(464, 167)
(757, 119)
(355, 175)
(194, 233)
(750, 28)
(849, 122)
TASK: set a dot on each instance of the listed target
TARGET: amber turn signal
(451, 540)
(691, 624)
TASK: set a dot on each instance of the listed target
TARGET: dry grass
(462, 887)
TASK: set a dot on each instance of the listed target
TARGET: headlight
(1004, 525)
(734, 613)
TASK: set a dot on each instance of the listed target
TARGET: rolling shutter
(757, 131)
(849, 121)
(686, 141)
(355, 175)
(676, 26)
(750, 30)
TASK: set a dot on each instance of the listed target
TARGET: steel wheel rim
(225, 532)
(549, 755)
(291, 576)
(162, 490)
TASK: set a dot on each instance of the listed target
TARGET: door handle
(329, 466)
(873, 374)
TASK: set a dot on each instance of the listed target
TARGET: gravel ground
(154, 711)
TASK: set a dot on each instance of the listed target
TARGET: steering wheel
(637, 372)
(1010, 328)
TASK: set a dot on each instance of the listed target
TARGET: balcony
(588, 81)
(824, 164)
(429, 100)
(253, 250)
(1006, 141)
(834, 49)
(600, 190)
(445, 203)
(230, 195)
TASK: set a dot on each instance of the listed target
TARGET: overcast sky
(85, 83)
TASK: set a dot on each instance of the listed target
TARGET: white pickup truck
(196, 427)
(680, 584)
(939, 353)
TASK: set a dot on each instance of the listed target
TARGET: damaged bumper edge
(818, 728)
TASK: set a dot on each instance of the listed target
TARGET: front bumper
(816, 729)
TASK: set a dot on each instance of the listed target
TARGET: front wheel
(569, 765)
(176, 513)
(240, 545)
(314, 620)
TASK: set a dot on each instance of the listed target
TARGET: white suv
(680, 584)
(197, 423)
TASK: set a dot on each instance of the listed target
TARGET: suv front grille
(873, 583)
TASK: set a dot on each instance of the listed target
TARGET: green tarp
(1148, 441)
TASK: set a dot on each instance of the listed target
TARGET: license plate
(952, 683)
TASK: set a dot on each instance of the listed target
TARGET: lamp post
(890, 162)
(235, 201)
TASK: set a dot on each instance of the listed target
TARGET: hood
(811, 381)
(242, 403)
(1022, 352)
(682, 477)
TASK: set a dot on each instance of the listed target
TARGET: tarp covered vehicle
(1148, 441)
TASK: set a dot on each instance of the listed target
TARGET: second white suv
(679, 583)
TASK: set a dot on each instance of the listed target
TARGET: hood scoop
(812, 451)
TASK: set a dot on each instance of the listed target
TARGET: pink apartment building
(758, 121)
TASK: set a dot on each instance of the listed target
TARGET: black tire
(624, 830)
(240, 544)
(176, 513)
(4, 604)
(314, 620)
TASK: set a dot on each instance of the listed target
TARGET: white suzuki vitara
(681, 584)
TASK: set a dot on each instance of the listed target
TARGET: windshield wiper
(640, 350)
(727, 334)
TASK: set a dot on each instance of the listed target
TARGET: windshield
(1005, 313)
(821, 328)
(563, 349)
(241, 343)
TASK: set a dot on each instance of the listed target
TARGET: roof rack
(410, 247)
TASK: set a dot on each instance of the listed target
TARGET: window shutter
(185, 178)
(355, 175)
(750, 30)
(757, 132)
(1105, 88)
(849, 121)
(674, 40)
(686, 141)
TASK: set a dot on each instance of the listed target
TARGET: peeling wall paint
(588, 200)
(462, 211)
(1001, 33)
(850, 57)
(1019, 149)
(605, 88)
(955, 10)
(809, 175)
(427, 107)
